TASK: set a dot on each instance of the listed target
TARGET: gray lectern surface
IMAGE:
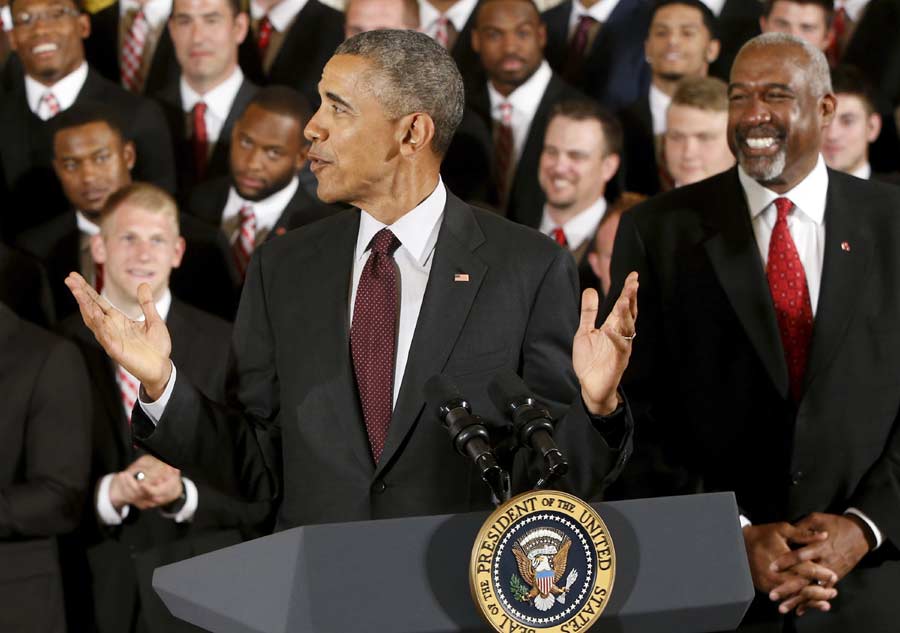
(681, 567)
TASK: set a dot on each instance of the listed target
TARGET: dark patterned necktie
(503, 152)
(790, 294)
(578, 49)
(373, 337)
(199, 140)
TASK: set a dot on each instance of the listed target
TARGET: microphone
(533, 426)
(467, 432)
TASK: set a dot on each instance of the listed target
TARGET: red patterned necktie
(578, 48)
(373, 337)
(98, 277)
(838, 28)
(128, 390)
(199, 140)
(264, 36)
(50, 104)
(245, 240)
(503, 150)
(790, 295)
(560, 236)
(133, 53)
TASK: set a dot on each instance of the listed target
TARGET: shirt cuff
(106, 512)
(155, 410)
(191, 501)
(879, 537)
(745, 521)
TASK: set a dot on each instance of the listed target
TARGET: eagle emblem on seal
(541, 557)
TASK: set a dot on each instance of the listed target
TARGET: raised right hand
(141, 347)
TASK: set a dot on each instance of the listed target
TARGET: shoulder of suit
(41, 240)
(517, 240)
(30, 344)
(866, 197)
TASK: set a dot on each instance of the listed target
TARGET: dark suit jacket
(614, 72)
(709, 383)
(308, 44)
(26, 151)
(467, 60)
(640, 167)
(44, 462)
(170, 100)
(24, 287)
(102, 51)
(118, 561)
(295, 377)
(207, 202)
(738, 22)
(526, 200)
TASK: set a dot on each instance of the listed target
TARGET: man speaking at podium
(343, 321)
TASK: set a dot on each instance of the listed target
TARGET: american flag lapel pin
(461, 277)
(845, 246)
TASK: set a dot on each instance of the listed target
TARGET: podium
(681, 567)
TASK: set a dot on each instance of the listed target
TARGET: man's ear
(180, 247)
(98, 249)
(130, 154)
(610, 166)
(873, 127)
(417, 131)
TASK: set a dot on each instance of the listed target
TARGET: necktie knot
(585, 22)
(199, 110)
(506, 113)
(247, 213)
(784, 207)
(384, 243)
(560, 236)
(50, 103)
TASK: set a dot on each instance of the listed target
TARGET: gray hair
(417, 74)
(818, 74)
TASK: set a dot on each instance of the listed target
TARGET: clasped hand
(160, 486)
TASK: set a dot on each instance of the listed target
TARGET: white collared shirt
(417, 231)
(659, 106)
(65, 90)
(267, 211)
(85, 225)
(6, 22)
(581, 227)
(525, 101)
(854, 8)
(600, 11)
(218, 102)
(715, 6)
(864, 171)
(806, 223)
(458, 15)
(281, 15)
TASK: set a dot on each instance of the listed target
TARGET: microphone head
(440, 390)
(506, 388)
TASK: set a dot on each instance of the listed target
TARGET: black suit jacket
(709, 383)
(207, 202)
(614, 72)
(117, 562)
(44, 458)
(102, 51)
(640, 167)
(24, 287)
(296, 383)
(218, 164)
(738, 22)
(308, 44)
(473, 145)
(26, 151)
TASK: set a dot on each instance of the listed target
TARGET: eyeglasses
(53, 15)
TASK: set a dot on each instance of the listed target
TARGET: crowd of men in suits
(215, 154)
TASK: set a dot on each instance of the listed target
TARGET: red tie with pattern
(790, 294)
(373, 337)
(560, 236)
(503, 150)
(245, 240)
(49, 104)
(128, 390)
(264, 36)
(199, 140)
(133, 52)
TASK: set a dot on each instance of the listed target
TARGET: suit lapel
(445, 306)
(734, 256)
(843, 276)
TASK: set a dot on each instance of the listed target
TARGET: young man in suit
(768, 360)
(681, 42)
(262, 198)
(343, 321)
(211, 92)
(48, 38)
(810, 20)
(515, 101)
(144, 513)
(856, 124)
(592, 45)
(44, 460)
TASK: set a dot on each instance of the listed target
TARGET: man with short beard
(768, 361)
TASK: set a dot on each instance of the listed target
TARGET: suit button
(378, 487)
(797, 477)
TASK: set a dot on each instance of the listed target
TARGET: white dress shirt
(458, 15)
(659, 106)
(6, 22)
(525, 101)
(266, 211)
(580, 228)
(854, 8)
(65, 90)
(864, 171)
(85, 225)
(281, 15)
(417, 232)
(106, 512)
(715, 6)
(600, 11)
(218, 102)
(807, 227)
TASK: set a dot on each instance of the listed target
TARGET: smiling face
(136, 246)
(510, 38)
(91, 161)
(267, 151)
(847, 138)
(775, 122)
(805, 20)
(51, 45)
(206, 35)
(678, 43)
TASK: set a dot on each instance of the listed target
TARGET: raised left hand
(600, 356)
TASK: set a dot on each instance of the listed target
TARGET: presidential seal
(543, 561)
